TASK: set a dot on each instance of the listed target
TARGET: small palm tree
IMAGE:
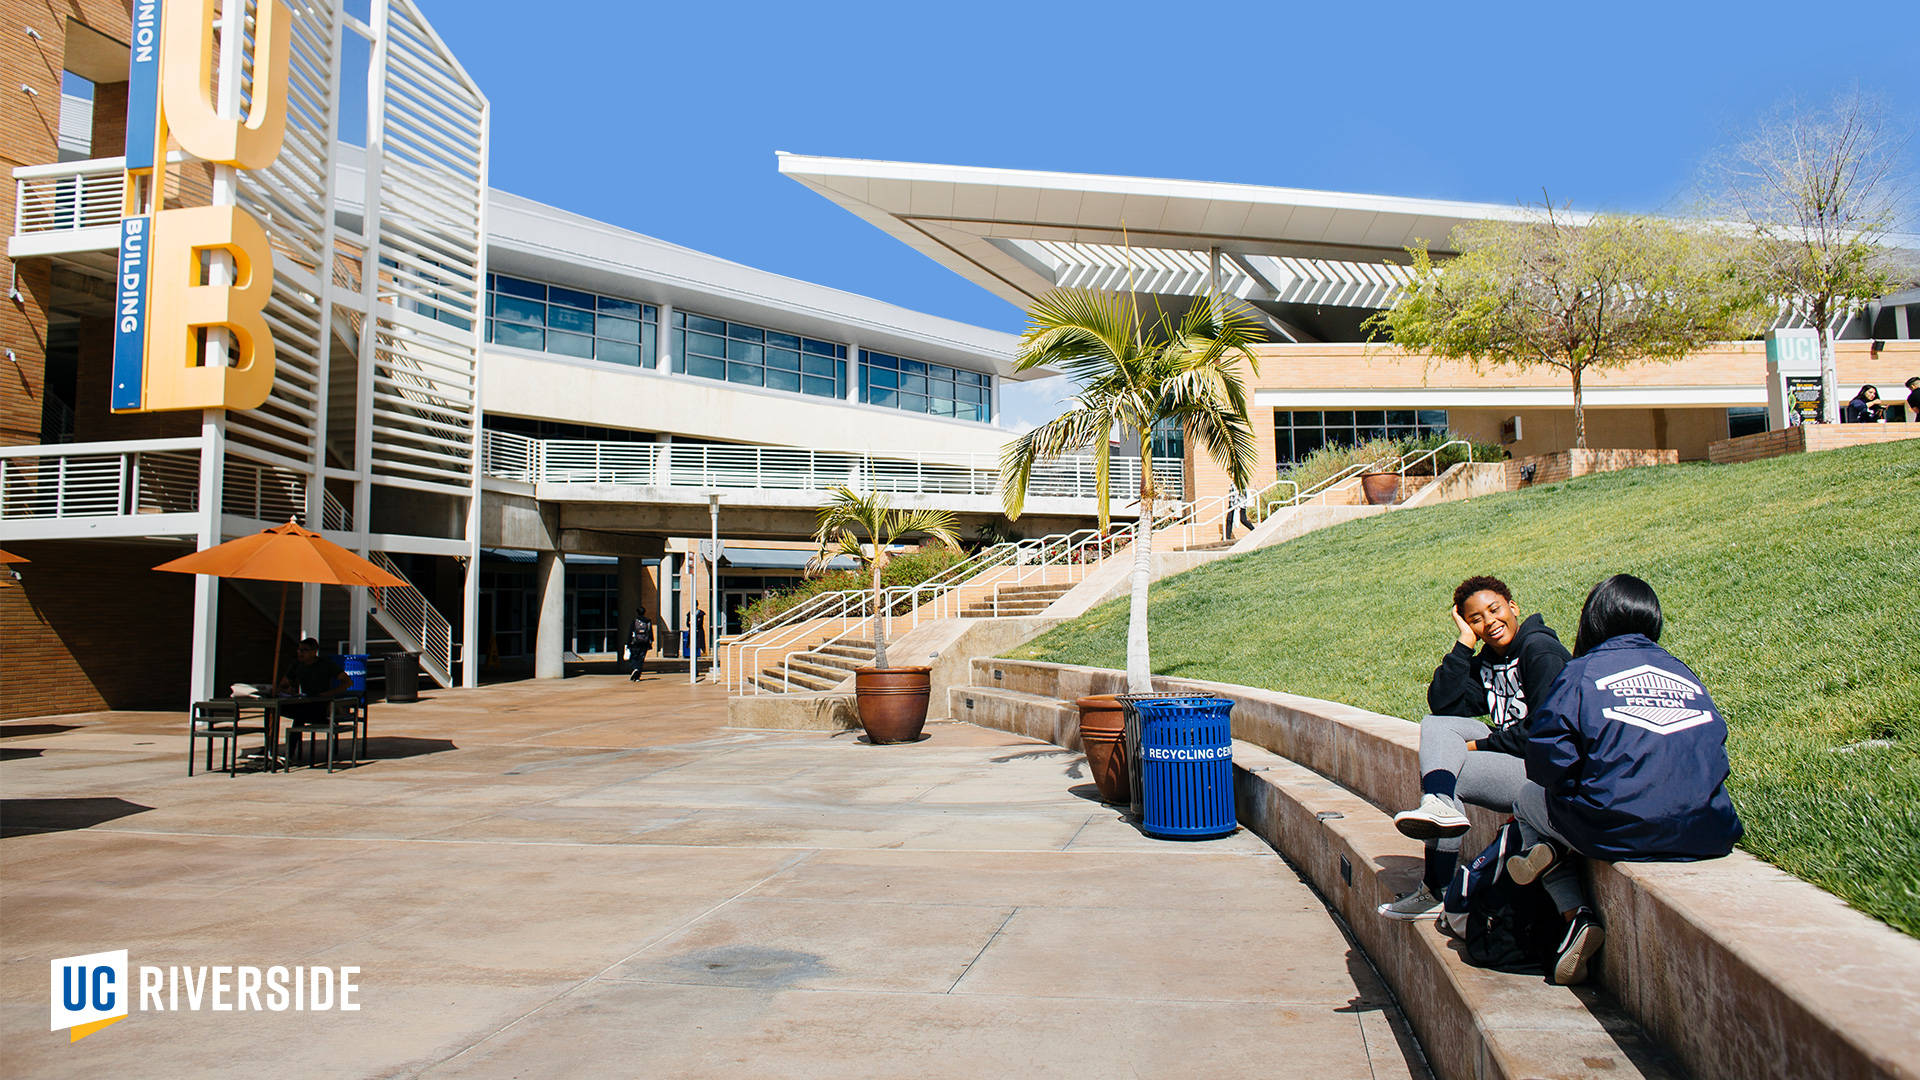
(864, 526)
(1132, 377)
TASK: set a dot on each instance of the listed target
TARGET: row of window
(913, 386)
(568, 322)
(1300, 432)
(754, 356)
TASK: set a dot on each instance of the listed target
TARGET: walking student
(639, 640)
(1461, 761)
(1626, 761)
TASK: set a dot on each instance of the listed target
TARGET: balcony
(67, 208)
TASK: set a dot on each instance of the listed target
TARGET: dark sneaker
(1582, 942)
(1434, 819)
(1525, 867)
(1418, 904)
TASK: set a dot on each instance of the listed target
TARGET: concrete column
(663, 340)
(632, 580)
(853, 371)
(549, 643)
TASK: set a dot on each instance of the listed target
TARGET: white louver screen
(426, 320)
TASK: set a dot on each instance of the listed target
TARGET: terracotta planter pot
(893, 702)
(1103, 737)
(1380, 488)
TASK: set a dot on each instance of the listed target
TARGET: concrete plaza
(594, 878)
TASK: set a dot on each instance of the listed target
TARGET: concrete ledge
(1806, 438)
(1739, 968)
(829, 711)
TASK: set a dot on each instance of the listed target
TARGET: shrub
(1329, 461)
(911, 568)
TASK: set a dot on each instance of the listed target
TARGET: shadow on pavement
(20, 731)
(21, 816)
(393, 747)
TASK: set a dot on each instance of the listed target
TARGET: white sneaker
(1418, 904)
(1434, 819)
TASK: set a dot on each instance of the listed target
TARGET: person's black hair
(1864, 389)
(312, 643)
(1622, 604)
(1480, 583)
(1913, 382)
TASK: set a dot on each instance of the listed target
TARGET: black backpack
(1505, 926)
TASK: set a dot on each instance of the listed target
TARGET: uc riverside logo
(94, 991)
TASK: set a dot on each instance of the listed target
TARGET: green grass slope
(1791, 586)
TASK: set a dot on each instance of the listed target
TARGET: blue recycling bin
(354, 665)
(1186, 756)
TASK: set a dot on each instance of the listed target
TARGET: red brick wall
(1567, 464)
(1806, 438)
(95, 627)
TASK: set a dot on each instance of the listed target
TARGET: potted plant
(892, 700)
(1380, 488)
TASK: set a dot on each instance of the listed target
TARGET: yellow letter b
(182, 304)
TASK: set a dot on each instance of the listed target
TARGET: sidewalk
(594, 878)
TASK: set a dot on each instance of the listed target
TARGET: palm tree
(1132, 377)
(863, 526)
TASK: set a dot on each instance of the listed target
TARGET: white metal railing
(68, 195)
(73, 480)
(402, 609)
(774, 468)
(263, 492)
(1267, 501)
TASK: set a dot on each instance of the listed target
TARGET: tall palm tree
(1132, 376)
(864, 526)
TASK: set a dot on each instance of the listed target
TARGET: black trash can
(403, 676)
(1132, 740)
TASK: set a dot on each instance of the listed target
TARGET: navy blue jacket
(1633, 756)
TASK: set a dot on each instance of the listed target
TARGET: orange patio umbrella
(6, 580)
(285, 553)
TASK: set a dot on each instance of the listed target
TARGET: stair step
(794, 679)
(1036, 590)
(851, 652)
(800, 666)
(837, 663)
(1217, 545)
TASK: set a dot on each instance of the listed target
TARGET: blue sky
(664, 118)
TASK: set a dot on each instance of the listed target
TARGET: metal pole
(693, 616)
(713, 570)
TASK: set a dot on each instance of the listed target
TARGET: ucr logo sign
(89, 992)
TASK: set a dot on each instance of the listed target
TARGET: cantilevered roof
(1019, 232)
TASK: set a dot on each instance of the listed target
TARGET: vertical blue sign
(143, 85)
(130, 316)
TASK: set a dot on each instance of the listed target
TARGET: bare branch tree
(1821, 192)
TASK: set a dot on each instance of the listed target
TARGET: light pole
(713, 569)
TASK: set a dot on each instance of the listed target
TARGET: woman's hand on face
(1467, 636)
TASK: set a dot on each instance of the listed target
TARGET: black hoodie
(1505, 687)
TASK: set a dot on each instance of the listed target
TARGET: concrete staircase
(1016, 600)
(820, 668)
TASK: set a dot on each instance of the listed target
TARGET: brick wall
(1806, 439)
(95, 627)
(1567, 464)
(29, 130)
(93, 418)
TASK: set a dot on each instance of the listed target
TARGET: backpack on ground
(1505, 926)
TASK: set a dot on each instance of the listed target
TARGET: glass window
(784, 359)
(922, 387)
(517, 305)
(783, 380)
(1297, 433)
(706, 325)
(819, 387)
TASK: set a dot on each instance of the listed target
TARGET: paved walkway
(592, 878)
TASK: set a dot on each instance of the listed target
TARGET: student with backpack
(639, 640)
(1461, 761)
(1626, 760)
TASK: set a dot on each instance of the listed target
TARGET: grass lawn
(1791, 586)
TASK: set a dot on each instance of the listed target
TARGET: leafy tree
(1132, 376)
(863, 527)
(1818, 191)
(1542, 289)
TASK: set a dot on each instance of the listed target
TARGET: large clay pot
(893, 702)
(1103, 737)
(1380, 488)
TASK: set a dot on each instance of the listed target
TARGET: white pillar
(663, 339)
(853, 371)
(549, 643)
(206, 589)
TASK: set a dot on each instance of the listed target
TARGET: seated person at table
(1460, 760)
(1626, 761)
(309, 676)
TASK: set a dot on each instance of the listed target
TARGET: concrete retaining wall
(1738, 968)
(1806, 438)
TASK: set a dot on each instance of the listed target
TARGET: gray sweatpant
(1563, 881)
(1481, 777)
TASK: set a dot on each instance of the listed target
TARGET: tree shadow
(19, 817)
(21, 731)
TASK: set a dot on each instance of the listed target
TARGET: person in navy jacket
(1626, 761)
